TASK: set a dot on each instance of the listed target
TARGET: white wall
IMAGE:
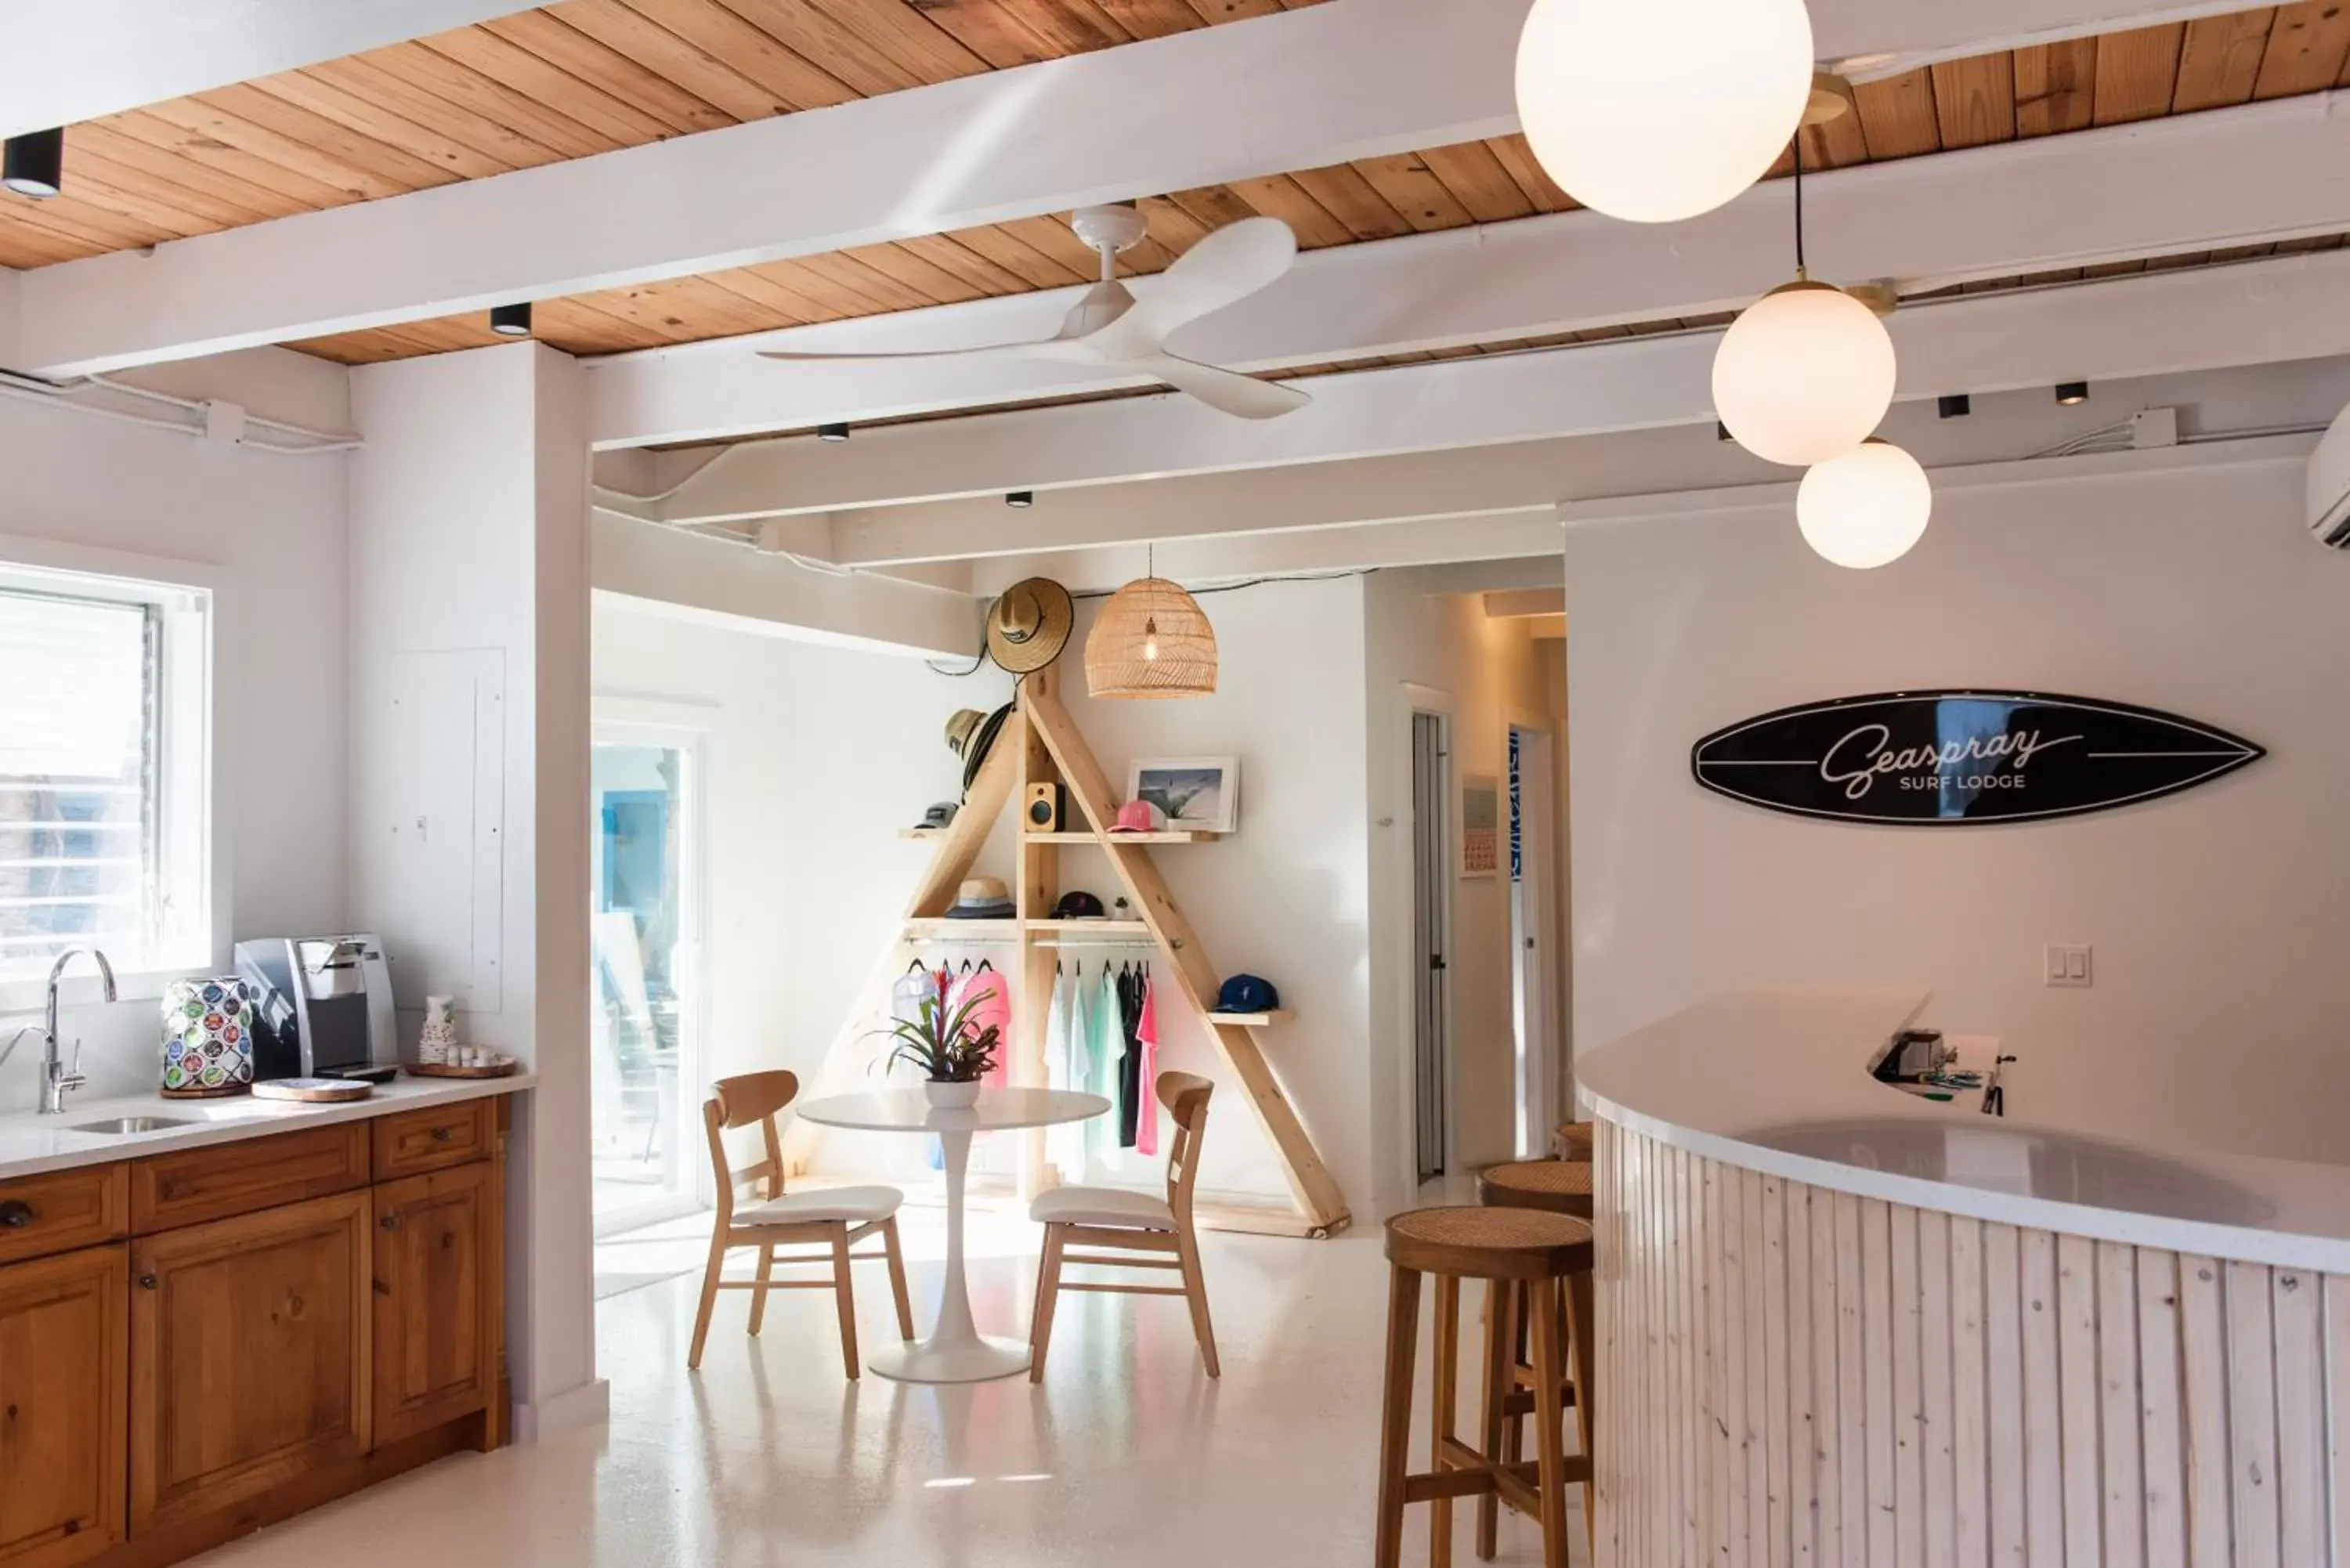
(1423, 629)
(815, 757)
(273, 529)
(2217, 914)
(1288, 897)
(468, 533)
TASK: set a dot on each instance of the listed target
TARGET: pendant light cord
(1798, 146)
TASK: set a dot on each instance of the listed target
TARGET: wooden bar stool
(1506, 1248)
(1557, 1187)
(1573, 1141)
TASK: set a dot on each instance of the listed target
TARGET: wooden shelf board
(1178, 836)
(1253, 1020)
(940, 926)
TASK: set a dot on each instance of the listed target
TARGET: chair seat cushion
(1108, 1206)
(855, 1204)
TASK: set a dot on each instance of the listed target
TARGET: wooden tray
(221, 1092)
(313, 1091)
(503, 1067)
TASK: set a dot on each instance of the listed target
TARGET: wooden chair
(1133, 1222)
(834, 1217)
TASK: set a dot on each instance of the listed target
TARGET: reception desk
(1840, 1324)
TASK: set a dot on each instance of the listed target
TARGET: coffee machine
(321, 1007)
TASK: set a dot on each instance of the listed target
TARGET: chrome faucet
(56, 1079)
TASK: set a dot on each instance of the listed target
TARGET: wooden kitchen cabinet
(64, 1389)
(436, 1305)
(250, 1342)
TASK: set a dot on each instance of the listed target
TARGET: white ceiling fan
(1111, 326)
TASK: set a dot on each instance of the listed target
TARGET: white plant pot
(951, 1096)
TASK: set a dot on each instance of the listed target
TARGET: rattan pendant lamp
(1152, 639)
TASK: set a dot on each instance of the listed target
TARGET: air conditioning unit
(2329, 485)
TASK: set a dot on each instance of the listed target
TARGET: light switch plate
(2071, 965)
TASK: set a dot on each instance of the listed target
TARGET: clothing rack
(1138, 944)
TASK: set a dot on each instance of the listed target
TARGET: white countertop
(32, 1144)
(1778, 1080)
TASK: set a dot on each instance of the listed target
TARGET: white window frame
(190, 844)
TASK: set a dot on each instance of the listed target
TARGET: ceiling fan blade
(1047, 348)
(1230, 265)
(1229, 390)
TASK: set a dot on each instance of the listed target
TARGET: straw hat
(970, 735)
(1029, 624)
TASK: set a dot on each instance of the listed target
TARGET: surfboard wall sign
(1951, 758)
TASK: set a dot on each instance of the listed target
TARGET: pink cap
(1136, 817)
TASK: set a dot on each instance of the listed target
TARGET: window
(104, 721)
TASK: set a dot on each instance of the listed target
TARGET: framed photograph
(1202, 795)
(1480, 824)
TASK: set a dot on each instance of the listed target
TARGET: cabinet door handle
(442, 1134)
(146, 1282)
(389, 1221)
(16, 1214)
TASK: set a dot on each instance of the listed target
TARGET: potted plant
(953, 1053)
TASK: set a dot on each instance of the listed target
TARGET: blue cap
(1247, 993)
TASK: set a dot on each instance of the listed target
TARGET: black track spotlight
(511, 320)
(1954, 405)
(1022, 499)
(832, 432)
(35, 164)
(2072, 394)
(1721, 433)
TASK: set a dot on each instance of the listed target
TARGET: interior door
(63, 1382)
(1431, 1066)
(249, 1355)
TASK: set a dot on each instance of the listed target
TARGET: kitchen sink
(121, 1125)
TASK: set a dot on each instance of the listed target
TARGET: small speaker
(1046, 804)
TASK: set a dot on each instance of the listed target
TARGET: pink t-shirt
(1146, 1032)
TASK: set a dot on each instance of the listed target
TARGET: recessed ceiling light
(34, 164)
(2071, 393)
(511, 320)
(1955, 405)
(1024, 499)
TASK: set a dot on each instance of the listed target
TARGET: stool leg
(1582, 1344)
(1395, 1421)
(1550, 1420)
(1501, 1336)
(1444, 1379)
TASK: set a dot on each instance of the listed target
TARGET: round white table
(956, 1350)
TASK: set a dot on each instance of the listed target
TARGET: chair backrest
(1185, 1095)
(739, 1102)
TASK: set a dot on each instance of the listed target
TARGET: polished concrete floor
(1126, 1455)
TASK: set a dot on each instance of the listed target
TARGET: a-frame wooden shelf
(1040, 745)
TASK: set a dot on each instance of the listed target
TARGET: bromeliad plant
(944, 1042)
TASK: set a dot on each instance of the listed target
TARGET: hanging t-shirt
(1105, 1043)
(1145, 1035)
(907, 994)
(1129, 1061)
(1064, 1053)
(985, 987)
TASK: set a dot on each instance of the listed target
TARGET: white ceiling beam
(71, 60)
(1525, 604)
(2272, 311)
(1428, 542)
(1349, 79)
(2265, 171)
(1298, 89)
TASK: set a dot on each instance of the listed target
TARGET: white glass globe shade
(1655, 112)
(1805, 372)
(1865, 508)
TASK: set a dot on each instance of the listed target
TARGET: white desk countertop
(31, 1144)
(1778, 1080)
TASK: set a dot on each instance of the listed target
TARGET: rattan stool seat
(1561, 1186)
(1480, 1243)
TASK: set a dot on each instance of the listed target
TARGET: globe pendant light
(1865, 508)
(1152, 639)
(1654, 113)
(1806, 371)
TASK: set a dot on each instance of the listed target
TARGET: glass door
(645, 877)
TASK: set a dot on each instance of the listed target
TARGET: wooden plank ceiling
(588, 75)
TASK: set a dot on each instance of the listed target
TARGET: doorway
(645, 924)
(1431, 880)
(1533, 961)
